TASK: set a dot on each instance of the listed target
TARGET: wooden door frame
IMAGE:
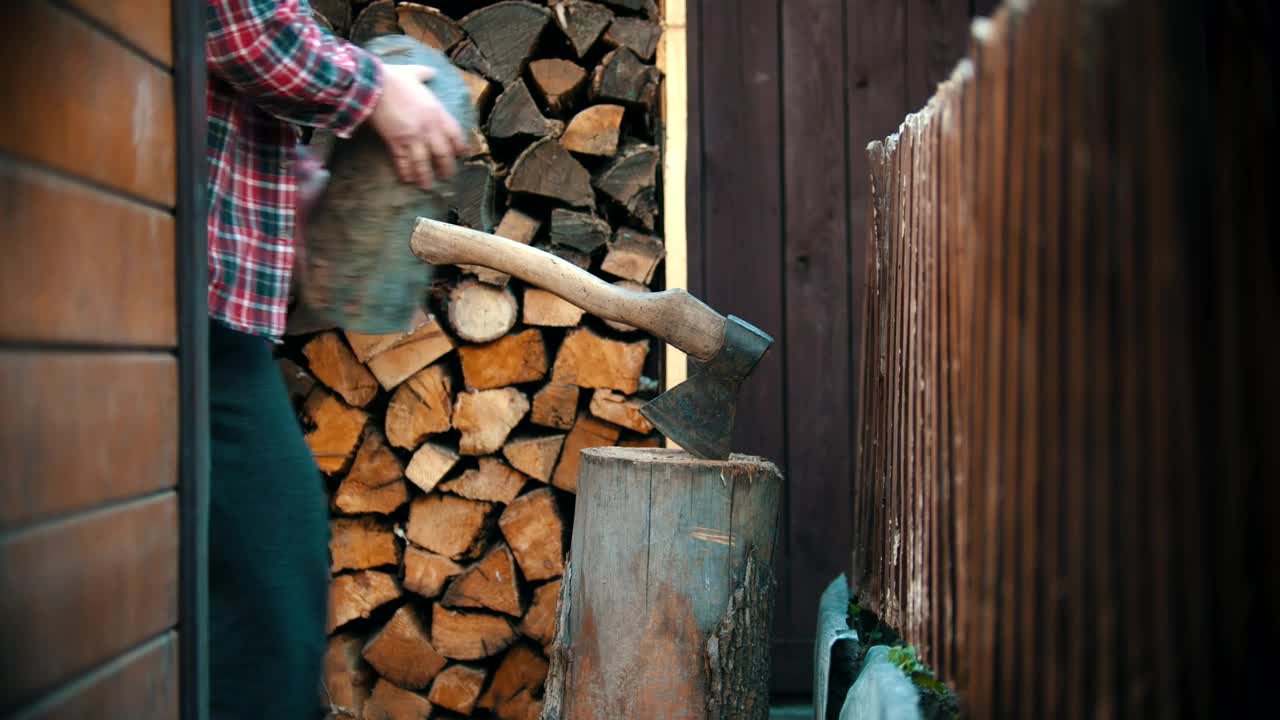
(673, 62)
(191, 236)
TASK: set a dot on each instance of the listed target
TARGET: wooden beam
(673, 56)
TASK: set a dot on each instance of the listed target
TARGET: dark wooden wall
(1067, 459)
(91, 369)
(784, 96)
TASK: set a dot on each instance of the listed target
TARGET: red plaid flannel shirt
(271, 68)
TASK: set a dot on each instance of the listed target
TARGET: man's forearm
(275, 53)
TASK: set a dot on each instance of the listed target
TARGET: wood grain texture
(60, 458)
(816, 262)
(147, 24)
(90, 267)
(142, 684)
(113, 126)
(677, 571)
(84, 590)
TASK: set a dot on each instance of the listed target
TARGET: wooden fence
(1068, 364)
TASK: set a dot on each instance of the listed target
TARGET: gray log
(668, 607)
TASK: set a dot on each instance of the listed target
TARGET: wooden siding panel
(140, 685)
(89, 267)
(84, 590)
(146, 23)
(816, 276)
(81, 429)
(105, 113)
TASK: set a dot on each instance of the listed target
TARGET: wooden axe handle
(674, 316)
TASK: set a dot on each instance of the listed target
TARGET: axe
(698, 413)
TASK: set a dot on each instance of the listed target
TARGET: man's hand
(422, 136)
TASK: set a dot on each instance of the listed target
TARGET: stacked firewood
(451, 450)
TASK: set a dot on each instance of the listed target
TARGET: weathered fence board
(1064, 488)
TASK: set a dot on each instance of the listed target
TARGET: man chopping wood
(272, 68)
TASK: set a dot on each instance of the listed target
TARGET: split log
(699, 596)
(534, 456)
(297, 382)
(535, 533)
(394, 358)
(389, 702)
(623, 78)
(515, 225)
(587, 360)
(348, 679)
(594, 131)
(638, 34)
(480, 87)
(419, 407)
(458, 688)
(448, 525)
(548, 310)
(361, 543)
(633, 256)
(472, 202)
(633, 286)
(539, 622)
(495, 481)
(518, 676)
(555, 406)
(485, 418)
(426, 573)
(480, 312)
(587, 432)
(515, 114)
(469, 635)
(333, 364)
(336, 12)
(429, 464)
(579, 230)
(357, 595)
(335, 430)
(429, 26)
(581, 22)
(375, 483)
(648, 441)
(489, 583)
(558, 83)
(620, 410)
(510, 360)
(379, 18)
(631, 181)
(401, 651)
(506, 34)
(547, 170)
(467, 56)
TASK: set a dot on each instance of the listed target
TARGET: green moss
(937, 701)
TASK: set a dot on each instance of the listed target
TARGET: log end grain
(546, 309)
(546, 169)
(390, 702)
(458, 687)
(429, 465)
(534, 530)
(555, 406)
(358, 594)
(588, 360)
(348, 679)
(460, 635)
(620, 410)
(361, 543)
(539, 623)
(401, 651)
(534, 456)
(480, 312)
(335, 430)
(486, 417)
(375, 483)
(587, 432)
(425, 572)
(494, 481)
(489, 583)
(509, 360)
(421, 406)
(594, 131)
(449, 525)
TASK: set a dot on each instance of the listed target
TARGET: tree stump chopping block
(668, 597)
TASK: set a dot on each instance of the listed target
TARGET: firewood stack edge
(451, 451)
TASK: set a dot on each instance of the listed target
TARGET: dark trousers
(268, 541)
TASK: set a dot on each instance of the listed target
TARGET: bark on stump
(670, 590)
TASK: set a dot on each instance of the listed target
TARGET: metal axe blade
(699, 413)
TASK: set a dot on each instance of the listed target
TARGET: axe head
(698, 413)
